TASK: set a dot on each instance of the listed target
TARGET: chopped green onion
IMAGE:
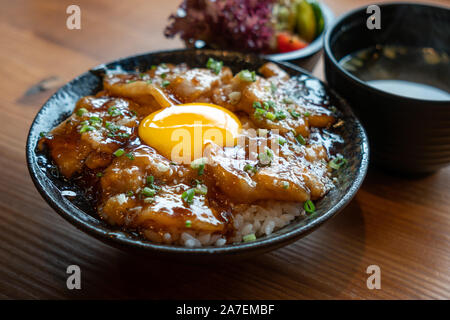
(130, 155)
(188, 223)
(264, 158)
(259, 113)
(214, 65)
(119, 152)
(281, 141)
(150, 179)
(99, 174)
(197, 162)
(257, 105)
(153, 67)
(249, 168)
(114, 112)
(130, 193)
(154, 187)
(307, 114)
(270, 116)
(96, 121)
(247, 76)
(280, 115)
(271, 104)
(199, 165)
(163, 76)
(285, 185)
(123, 135)
(249, 237)
(81, 111)
(111, 126)
(309, 206)
(188, 196)
(300, 139)
(294, 114)
(201, 189)
(337, 162)
(148, 192)
(165, 83)
(42, 134)
(86, 128)
(268, 104)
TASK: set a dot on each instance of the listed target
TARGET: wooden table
(401, 225)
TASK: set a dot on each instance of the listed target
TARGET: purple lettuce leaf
(243, 25)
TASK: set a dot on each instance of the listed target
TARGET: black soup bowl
(407, 135)
(72, 204)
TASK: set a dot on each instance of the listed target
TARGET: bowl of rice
(272, 224)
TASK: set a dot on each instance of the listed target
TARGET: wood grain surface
(399, 224)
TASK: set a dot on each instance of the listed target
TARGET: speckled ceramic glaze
(77, 210)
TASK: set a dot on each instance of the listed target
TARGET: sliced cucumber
(320, 22)
(306, 21)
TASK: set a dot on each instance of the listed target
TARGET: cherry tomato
(288, 42)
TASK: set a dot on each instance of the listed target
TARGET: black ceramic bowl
(307, 57)
(406, 135)
(78, 211)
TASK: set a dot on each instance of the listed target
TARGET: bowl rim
(360, 83)
(85, 222)
(314, 46)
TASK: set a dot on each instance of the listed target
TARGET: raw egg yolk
(180, 133)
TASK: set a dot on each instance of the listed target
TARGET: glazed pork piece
(260, 100)
(145, 191)
(177, 82)
(97, 127)
(195, 204)
(292, 174)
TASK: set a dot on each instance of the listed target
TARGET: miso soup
(421, 73)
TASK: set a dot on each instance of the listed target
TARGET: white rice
(264, 218)
(261, 220)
